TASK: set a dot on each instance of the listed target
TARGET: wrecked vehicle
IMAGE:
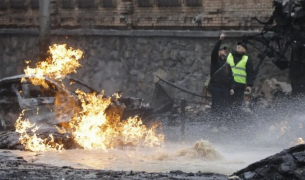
(42, 106)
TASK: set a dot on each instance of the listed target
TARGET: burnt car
(42, 106)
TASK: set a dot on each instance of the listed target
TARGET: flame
(300, 141)
(32, 142)
(89, 124)
(63, 61)
(86, 125)
(136, 133)
(93, 129)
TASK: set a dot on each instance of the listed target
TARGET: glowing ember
(90, 126)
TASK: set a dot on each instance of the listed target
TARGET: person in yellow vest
(243, 73)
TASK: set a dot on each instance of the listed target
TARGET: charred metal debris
(16, 95)
(283, 40)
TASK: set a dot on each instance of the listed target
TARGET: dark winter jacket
(224, 77)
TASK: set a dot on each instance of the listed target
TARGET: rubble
(194, 110)
(16, 95)
(288, 164)
(268, 93)
(270, 87)
(42, 107)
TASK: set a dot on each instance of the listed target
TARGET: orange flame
(300, 141)
(63, 61)
(90, 126)
(32, 142)
(93, 129)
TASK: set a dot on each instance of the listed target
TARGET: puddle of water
(154, 159)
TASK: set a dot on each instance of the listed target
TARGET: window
(67, 4)
(168, 3)
(86, 4)
(17, 4)
(144, 3)
(193, 2)
(35, 4)
(108, 3)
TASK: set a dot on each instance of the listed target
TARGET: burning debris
(32, 142)
(91, 119)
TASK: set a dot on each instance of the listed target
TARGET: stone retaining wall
(128, 62)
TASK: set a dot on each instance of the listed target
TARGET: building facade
(139, 14)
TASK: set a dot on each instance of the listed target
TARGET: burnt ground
(15, 167)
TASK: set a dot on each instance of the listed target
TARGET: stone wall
(139, 14)
(14, 50)
(131, 63)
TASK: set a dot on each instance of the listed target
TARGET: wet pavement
(15, 167)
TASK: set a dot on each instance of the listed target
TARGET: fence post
(183, 104)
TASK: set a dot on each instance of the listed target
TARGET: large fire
(90, 127)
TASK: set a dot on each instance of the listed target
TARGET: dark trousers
(221, 101)
(238, 98)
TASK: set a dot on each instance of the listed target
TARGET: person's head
(222, 52)
(241, 47)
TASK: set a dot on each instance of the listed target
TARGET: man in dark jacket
(222, 83)
(242, 68)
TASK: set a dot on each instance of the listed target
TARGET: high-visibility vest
(239, 70)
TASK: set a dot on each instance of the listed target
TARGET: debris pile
(91, 119)
(288, 164)
(269, 90)
(196, 109)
